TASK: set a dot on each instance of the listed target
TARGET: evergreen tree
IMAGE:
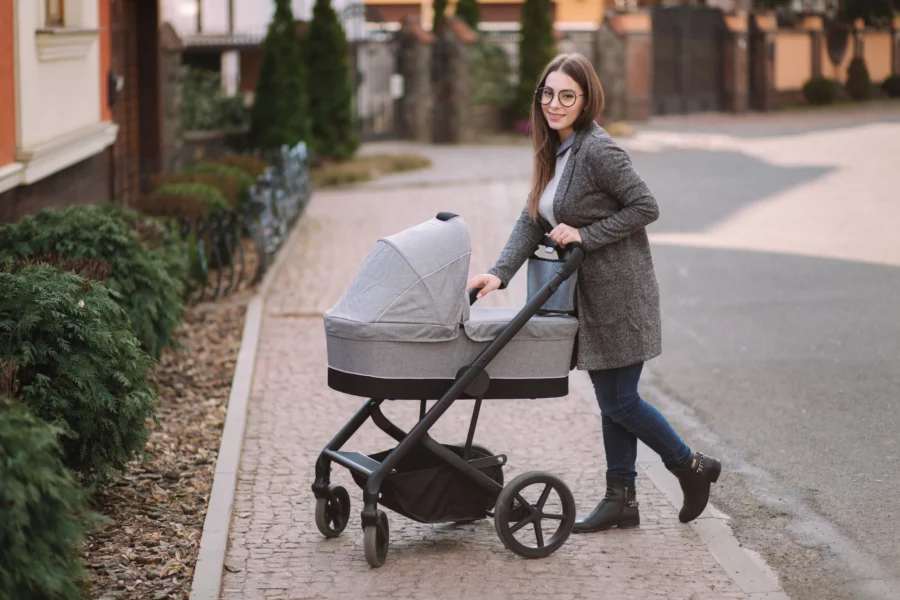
(468, 11)
(536, 49)
(330, 89)
(440, 13)
(280, 113)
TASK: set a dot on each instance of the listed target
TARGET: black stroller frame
(512, 511)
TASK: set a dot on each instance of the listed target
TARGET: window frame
(49, 21)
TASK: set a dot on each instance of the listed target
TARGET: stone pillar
(764, 61)
(859, 34)
(610, 68)
(459, 38)
(636, 30)
(415, 106)
(231, 72)
(815, 25)
(625, 65)
(736, 64)
(172, 142)
(895, 46)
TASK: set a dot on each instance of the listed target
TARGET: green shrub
(45, 512)
(251, 165)
(859, 84)
(159, 239)
(280, 113)
(333, 133)
(891, 86)
(228, 185)
(469, 11)
(488, 65)
(210, 196)
(821, 90)
(245, 181)
(80, 367)
(151, 296)
(204, 104)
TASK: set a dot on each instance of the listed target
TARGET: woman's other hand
(563, 235)
(487, 283)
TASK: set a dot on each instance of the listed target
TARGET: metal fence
(228, 251)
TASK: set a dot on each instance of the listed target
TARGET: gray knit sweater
(602, 195)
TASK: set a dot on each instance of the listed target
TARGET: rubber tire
(376, 542)
(341, 496)
(505, 503)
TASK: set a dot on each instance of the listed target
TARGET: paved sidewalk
(275, 550)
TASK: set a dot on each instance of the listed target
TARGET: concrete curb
(747, 569)
(207, 582)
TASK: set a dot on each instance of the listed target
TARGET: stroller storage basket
(426, 489)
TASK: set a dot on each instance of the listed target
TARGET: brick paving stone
(275, 550)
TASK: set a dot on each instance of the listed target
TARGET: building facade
(56, 125)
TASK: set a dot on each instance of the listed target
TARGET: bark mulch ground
(154, 512)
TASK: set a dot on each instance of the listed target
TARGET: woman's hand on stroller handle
(563, 235)
(485, 282)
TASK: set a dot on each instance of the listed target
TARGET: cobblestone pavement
(275, 550)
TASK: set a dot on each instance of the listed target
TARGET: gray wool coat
(617, 297)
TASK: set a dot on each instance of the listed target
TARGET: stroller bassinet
(404, 327)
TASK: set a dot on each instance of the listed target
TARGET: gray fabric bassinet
(404, 328)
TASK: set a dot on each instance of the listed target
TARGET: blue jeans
(627, 418)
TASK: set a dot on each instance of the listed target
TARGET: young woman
(585, 189)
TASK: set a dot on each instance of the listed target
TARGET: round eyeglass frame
(540, 92)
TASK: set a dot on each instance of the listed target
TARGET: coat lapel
(566, 178)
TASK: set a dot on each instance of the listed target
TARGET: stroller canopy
(410, 287)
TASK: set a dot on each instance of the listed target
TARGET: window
(55, 13)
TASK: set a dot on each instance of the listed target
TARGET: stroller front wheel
(333, 512)
(516, 513)
(377, 539)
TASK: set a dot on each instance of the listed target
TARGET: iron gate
(687, 59)
(377, 88)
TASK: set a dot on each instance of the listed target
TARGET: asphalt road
(787, 364)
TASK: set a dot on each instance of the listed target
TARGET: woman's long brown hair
(544, 139)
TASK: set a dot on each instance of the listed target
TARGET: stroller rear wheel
(515, 512)
(333, 512)
(377, 539)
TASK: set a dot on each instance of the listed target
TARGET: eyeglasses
(566, 97)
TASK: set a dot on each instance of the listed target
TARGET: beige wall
(793, 60)
(877, 51)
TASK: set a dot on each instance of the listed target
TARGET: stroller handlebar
(576, 254)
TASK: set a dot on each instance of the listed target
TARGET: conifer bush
(228, 185)
(80, 367)
(536, 49)
(150, 295)
(280, 112)
(212, 199)
(45, 512)
(891, 86)
(859, 84)
(252, 165)
(821, 90)
(330, 92)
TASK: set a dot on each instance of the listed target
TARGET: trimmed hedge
(150, 295)
(228, 185)
(210, 196)
(80, 367)
(245, 181)
(45, 512)
(891, 86)
(251, 165)
(821, 90)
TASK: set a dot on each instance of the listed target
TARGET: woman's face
(562, 101)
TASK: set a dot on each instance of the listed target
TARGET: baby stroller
(404, 330)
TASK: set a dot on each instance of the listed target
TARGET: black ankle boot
(696, 479)
(618, 509)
